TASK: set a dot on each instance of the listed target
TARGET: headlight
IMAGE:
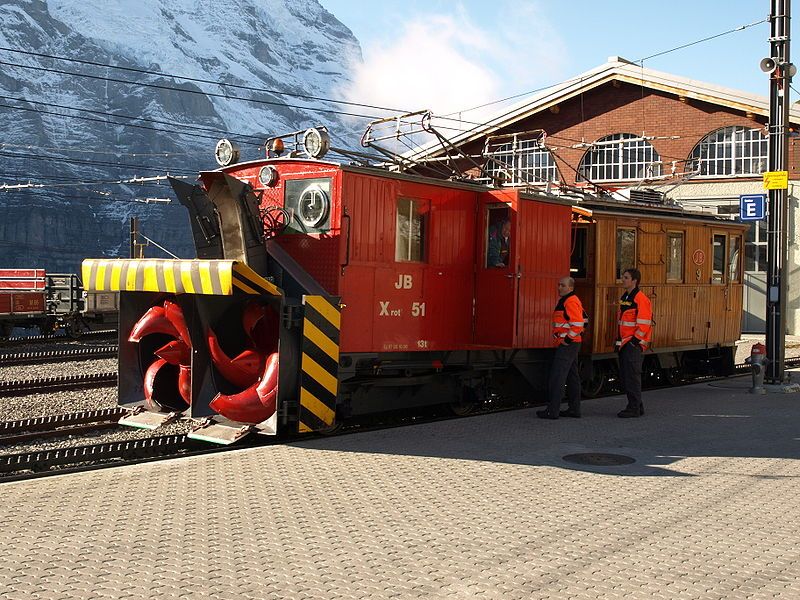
(268, 176)
(316, 143)
(226, 153)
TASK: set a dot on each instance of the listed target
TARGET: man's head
(631, 279)
(565, 286)
(505, 228)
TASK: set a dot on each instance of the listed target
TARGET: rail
(131, 450)
(64, 382)
(24, 430)
(30, 358)
(32, 339)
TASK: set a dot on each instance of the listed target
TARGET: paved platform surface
(482, 507)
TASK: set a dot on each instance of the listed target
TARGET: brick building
(636, 132)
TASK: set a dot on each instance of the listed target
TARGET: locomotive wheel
(331, 429)
(593, 385)
(672, 375)
(48, 327)
(74, 328)
(466, 404)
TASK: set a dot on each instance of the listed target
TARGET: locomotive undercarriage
(373, 383)
(600, 373)
(466, 380)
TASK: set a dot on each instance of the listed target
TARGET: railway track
(25, 430)
(39, 463)
(31, 358)
(52, 384)
(78, 456)
(59, 337)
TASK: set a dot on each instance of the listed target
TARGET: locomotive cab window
(579, 259)
(626, 250)
(498, 237)
(412, 229)
(675, 256)
(309, 204)
(720, 259)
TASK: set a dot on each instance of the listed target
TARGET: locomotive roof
(605, 206)
(385, 173)
(630, 208)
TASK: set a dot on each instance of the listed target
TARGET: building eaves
(618, 69)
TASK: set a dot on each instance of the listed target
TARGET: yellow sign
(776, 180)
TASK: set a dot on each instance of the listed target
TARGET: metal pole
(777, 220)
(134, 250)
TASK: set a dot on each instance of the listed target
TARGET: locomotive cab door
(497, 274)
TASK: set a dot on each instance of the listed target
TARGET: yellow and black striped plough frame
(210, 277)
(319, 376)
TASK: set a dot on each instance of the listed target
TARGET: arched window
(520, 162)
(618, 157)
(730, 151)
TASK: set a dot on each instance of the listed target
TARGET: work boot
(630, 412)
(544, 414)
(570, 413)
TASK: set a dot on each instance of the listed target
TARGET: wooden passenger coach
(691, 267)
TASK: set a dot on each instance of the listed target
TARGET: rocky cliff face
(58, 129)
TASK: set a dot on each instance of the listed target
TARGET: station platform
(478, 507)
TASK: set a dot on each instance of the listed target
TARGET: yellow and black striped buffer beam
(210, 277)
(319, 368)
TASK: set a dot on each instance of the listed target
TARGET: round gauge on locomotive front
(313, 206)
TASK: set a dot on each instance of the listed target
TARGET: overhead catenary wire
(641, 60)
(125, 181)
(90, 151)
(283, 92)
(189, 91)
(95, 163)
(279, 92)
(200, 80)
(129, 117)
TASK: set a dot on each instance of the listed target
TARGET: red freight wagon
(22, 294)
(33, 298)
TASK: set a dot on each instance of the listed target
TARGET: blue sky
(449, 56)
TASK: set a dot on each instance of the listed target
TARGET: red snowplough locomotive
(323, 291)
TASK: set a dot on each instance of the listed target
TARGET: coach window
(626, 249)
(578, 259)
(720, 259)
(412, 228)
(734, 258)
(675, 256)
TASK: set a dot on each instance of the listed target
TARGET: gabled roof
(616, 69)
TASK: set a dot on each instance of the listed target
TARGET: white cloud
(450, 62)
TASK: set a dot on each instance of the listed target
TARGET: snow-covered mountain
(56, 128)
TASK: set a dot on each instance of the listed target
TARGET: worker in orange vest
(635, 319)
(569, 321)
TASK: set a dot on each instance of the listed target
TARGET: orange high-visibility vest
(569, 319)
(635, 318)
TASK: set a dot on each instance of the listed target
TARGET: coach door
(497, 279)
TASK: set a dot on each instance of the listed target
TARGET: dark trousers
(630, 374)
(564, 370)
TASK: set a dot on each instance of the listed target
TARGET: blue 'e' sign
(752, 207)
